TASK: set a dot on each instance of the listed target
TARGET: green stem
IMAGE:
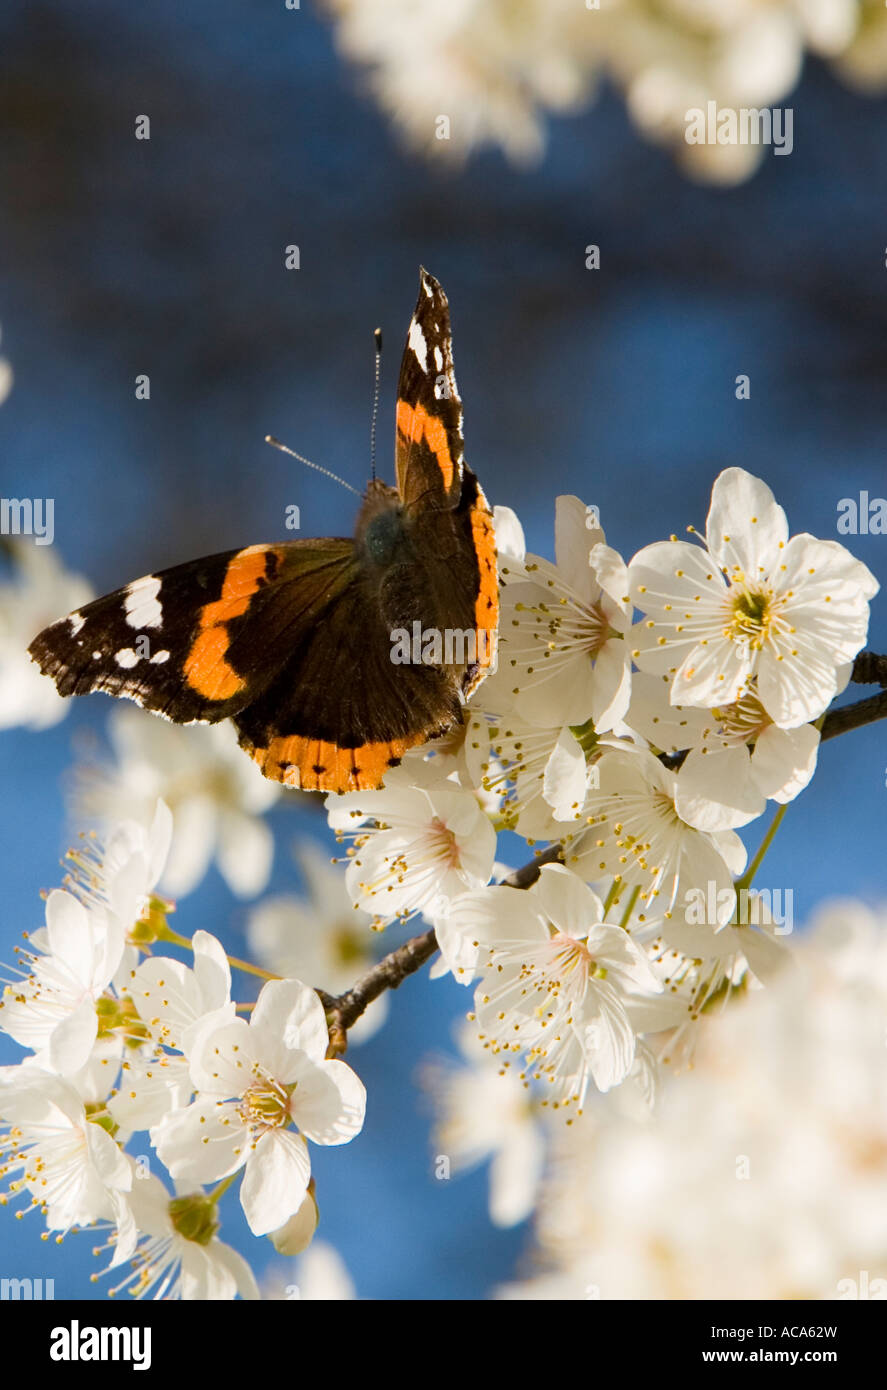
(630, 907)
(613, 895)
(167, 934)
(222, 1187)
(746, 880)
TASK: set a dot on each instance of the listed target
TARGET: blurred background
(272, 127)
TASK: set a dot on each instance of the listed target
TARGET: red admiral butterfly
(293, 640)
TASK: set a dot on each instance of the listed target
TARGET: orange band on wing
(317, 766)
(486, 606)
(206, 668)
(415, 424)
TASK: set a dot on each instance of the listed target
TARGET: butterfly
(310, 646)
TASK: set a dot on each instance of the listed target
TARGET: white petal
(211, 970)
(563, 784)
(515, 1174)
(784, 760)
(573, 542)
(566, 900)
(276, 1180)
(72, 1040)
(746, 525)
(716, 789)
(329, 1103)
(195, 1143)
(510, 541)
(291, 1012)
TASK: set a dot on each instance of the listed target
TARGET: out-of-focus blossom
(485, 1114)
(216, 795)
(5, 378)
(319, 1275)
(762, 1173)
(488, 71)
(321, 937)
(40, 591)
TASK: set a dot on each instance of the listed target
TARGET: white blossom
(216, 795)
(73, 1169)
(637, 835)
(40, 592)
(553, 975)
(179, 1255)
(254, 1081)
(752, 609)
(415, 847)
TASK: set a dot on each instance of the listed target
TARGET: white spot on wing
(417, 343)
(438, 358)
(159, 657)
(141, 603)
(127, 658)
(76, 620)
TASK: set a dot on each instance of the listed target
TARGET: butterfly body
(295, 640)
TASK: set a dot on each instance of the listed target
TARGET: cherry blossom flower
(553, 975)
(179, 1255)
(254, 1081)
(539, 774)
(637, 834)
(738, 757)
(54, 1010)
(75, 1172)
(752, 606)
(415, 846)
(564, 657)
(176, 1004)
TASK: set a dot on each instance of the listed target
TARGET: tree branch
(343, 1010)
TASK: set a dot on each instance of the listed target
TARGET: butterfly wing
(199, 641)
(341, 712)
(447, 512)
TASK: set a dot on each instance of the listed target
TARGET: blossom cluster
(726, 650)
(124, 1042)
(762, 1175)
(455, 77)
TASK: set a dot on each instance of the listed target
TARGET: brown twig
(343, 1010)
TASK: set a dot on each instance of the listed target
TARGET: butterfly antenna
(269, 439)
(378, 337)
